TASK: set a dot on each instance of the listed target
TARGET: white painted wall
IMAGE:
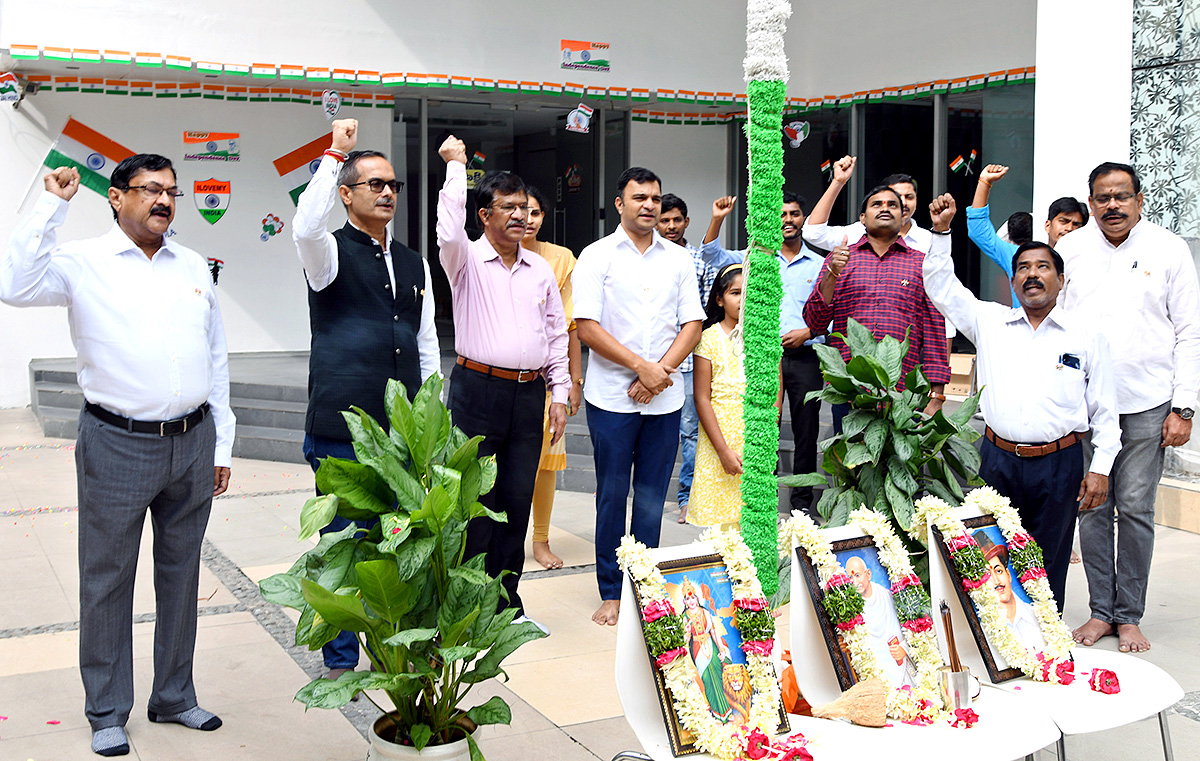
(1084, 81)
(691, 162)
(262, 291)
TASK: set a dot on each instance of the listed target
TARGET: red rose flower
(757, 745)
(754, 604)
(969, 584)
(837, 580)
(1065, 671)
(656, 610)
(1104, 681)
(922, 624)
(964, 718)
(960, 541)
(911, 580)
(663, 660)
(1019, 540)
(846, 626)
(759, 647)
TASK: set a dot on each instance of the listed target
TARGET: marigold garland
(1054, 663)
(712, 736)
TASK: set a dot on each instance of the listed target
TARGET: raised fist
(839, 256)
(843, 168)
(992, 172)
(453, 150)
(941, 210)
(345, 135)
(723, 206)
(63, 182)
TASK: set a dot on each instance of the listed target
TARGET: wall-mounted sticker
(580, 119)
(212, 198)
(585, 56)
(574, 178)
(215, 266)
(10, 89)
(796, 132)
(475, 169)
(331, 102)
(297, 167)
(272, 226)
(211, 146)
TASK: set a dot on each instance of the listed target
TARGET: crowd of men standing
(1087, 378)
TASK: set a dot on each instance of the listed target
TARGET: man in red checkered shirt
(877, 280)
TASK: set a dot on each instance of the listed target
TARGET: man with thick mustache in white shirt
(1136, 282)
(156, 432)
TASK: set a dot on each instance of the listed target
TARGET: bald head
(858, 572)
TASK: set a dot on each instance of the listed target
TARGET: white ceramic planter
(384, 750)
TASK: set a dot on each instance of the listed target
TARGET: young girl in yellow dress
(720, 383)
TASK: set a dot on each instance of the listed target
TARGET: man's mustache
(1031, 283)
(1114, 214)
(160, 210)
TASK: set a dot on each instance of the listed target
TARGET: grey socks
(110, 741)
(193, 718)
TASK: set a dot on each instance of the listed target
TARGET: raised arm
(945, 290)
(310, 227)
(28, 276)
(452, 208)
(711, 251)
(816, 228)
(979, 222)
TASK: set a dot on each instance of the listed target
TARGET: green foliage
(755, 625)
(842, 602)
(427, 615)
(664, 634)
(890, 452)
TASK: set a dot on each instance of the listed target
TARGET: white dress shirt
(148, 334)
(1030, 394)
(319, 255)
(1143, 296)
(825, 236)
(641, 300)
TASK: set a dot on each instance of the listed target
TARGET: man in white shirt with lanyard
(1136, 282)
(156, 430)
(1047, 380)
(638, 310)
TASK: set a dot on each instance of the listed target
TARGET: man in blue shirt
(1066, 214)
(801, 369)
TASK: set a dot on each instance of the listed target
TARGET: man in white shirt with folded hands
(1047, 380)
(156, 431)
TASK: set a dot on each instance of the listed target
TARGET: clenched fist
(63, 182)
(453, 150)
(941, 211)
(345, 135)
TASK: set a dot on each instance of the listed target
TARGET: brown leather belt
(520, 376)
(1032, 450)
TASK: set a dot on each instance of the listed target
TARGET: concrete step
(59, 422)
(59, 395)
(275, 444)
(269, 413)
(268, 392)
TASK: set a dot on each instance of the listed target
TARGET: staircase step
(267, 391)
(59, 422)
(264, 443)
(269, 413)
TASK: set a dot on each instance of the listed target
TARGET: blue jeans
(342, 651)
(689, 431)
(625, 442)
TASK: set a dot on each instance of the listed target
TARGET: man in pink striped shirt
(510, 333)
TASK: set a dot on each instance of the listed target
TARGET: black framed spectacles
(155, 190)
(377, 185)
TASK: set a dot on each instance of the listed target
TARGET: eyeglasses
(511, 208)
(154, 190)
(1118, 197)
(377, 185)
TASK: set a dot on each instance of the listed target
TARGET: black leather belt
(160, 427)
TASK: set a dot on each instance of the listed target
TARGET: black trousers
(509, 415)
(801, 374)
(1044, 491)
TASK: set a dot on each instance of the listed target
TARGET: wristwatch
(1184, 412)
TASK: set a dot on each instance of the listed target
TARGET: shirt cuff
(1182, 398)
(1102, 462)
(558, 393)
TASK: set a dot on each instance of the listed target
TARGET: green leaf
(478, 510)
(905, 446)
(875, 437)
(966, 454)
(900, 475)
(356, 483)
(420, 735)
(510, 638)
(962, 416)
(381, 588)
(476, 754)
(916, 382)
(902, 504)
(942, 492)
(855, 422)
(859, 339)
(870, 483)
(494, 711)
(831, 360)
(450, 480)
(412, 555)
(471, 576)
(856, 454)
(891, 355)
(828, 499)
(282, 589)
(410, 637)
(881, 504)
(457, 653)
(435, 432)
(488, 476)
(369, 439)
(867, 370)
(335, 567)
(346, 612)
(394, 529)
(465, 453)
(312, 631)
(847, 502)
(316, 514)
(804, 479)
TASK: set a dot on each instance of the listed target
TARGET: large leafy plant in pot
(429, 618)
(889, 452)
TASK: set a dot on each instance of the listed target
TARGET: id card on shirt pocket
(1069, 383)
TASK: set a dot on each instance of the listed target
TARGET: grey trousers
(119, 475)
(1117, 538)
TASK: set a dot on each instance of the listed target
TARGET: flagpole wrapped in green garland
(766, 88)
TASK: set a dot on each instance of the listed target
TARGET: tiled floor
(561, 688)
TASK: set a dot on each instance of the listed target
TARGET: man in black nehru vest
(370, 307)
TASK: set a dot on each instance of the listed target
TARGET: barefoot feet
(1131, 638)
(1092, 631)
(1075, 558)
(607, 614)
(683, 513)
(543, 555)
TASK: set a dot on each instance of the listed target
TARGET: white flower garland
(921, 705)
(1054, 663)
(712, 736)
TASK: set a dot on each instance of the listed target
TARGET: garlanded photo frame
(873, 612)
(998, 574)
(709, 635)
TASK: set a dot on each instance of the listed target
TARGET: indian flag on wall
(297, 167)
(92, 154)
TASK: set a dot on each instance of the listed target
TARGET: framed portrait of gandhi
(1018, 615)
(859, 557)
(700, 589)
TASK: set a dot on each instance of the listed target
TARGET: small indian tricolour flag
(212, 198)
(573, 89)
(24, 52)
(395, 78)
(290, 71)
(116, 87)
(262, 70)
(56, 54)
(141, 89)
(183, 63)
(237, 69)
(166, 90)
(458, 83)
(66, 84)
(316, 73)
(508, 85)
(86, 55)
(189, 90)
(367, 77)
(826, 167)
(118, 56)
(437, 80)
(297, 167)
(92, 154)
(153, 60)
(958, 164)
(208, 67)
(345, 76)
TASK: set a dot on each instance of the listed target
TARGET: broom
(863, 704)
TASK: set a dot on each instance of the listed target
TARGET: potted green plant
(429, 619)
